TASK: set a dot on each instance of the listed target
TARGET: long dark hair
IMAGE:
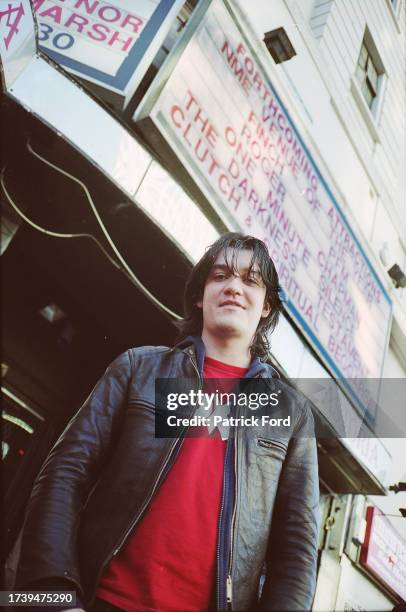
(192, 323)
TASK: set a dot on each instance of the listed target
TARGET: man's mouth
(231, 303)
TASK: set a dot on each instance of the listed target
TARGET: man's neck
(226, 350)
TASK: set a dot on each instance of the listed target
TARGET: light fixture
(279, 46)
(398, 276)
(398, 487)
(387, 257)
(52, 313)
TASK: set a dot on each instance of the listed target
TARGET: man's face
(233, 304)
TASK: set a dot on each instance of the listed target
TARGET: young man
(139, 523)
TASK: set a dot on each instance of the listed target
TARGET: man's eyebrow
(228, 268)
(220, 267)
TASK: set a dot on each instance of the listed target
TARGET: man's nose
(233, 285)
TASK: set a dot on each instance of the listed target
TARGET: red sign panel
(384, 552)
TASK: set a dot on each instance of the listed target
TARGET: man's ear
(266, 309)
(199, 304)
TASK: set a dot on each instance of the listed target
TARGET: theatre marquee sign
(216, 109)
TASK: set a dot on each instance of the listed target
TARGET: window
(367, 74)
(368, 84)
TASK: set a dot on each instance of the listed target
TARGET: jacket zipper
(229, 581)
(194, 364)
(226, 537)
(218, 581)
(165, 467)
(145, 504)
(271, 443)
(229, 589)
(137, 517)
(222, 579)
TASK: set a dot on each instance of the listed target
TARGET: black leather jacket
(96, 484)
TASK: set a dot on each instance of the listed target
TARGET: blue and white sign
(110, 44)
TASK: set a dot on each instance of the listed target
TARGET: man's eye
(219, 276)
(253, 280)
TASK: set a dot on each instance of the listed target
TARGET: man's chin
(228, 328)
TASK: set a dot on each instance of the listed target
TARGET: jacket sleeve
(48, 549)
(292, 551)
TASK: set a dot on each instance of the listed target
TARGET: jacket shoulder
(293, 394)
(141, 352)
(144, 354)
(146, 350)
(299, 405)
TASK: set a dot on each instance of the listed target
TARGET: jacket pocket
(275, 448)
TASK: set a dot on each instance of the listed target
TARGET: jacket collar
(257, 367)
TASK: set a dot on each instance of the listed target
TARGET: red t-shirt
(168, 563)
